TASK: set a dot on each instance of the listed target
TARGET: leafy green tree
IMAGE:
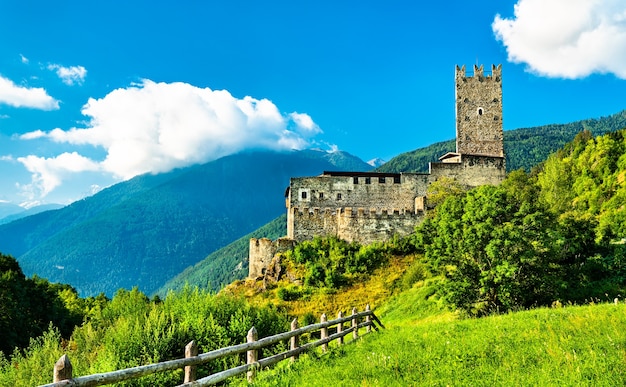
(493, 247)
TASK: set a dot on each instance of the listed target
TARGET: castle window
(396, 180)
(321, 195)
(368, 180)
(381, 179)
(355, 180)
(495, 100)
(480, 111)
(338, 196)
(303, 194)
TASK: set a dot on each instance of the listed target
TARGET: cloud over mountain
(155, 127)
(566, 38)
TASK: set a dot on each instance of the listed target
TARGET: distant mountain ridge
(145, 231)
(22, 212)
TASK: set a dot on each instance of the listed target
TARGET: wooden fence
(62, 375)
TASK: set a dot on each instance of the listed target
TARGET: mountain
(8, 209)
(145, 231)
(227, 264)
(524, 148)
(31, 211)
(376, 162)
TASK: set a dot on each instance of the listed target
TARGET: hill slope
(524, 148)
(145, 231)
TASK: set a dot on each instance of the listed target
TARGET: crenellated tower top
(479, 112)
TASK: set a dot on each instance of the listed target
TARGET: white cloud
(566, 38)
(48, 173)
(156, 127)
(69, 75)
(33, 135)
(18, 96)
(24, 59)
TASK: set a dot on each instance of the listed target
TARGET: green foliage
(28, 306)
(493, 247)
(132, 330)
(290, 293)
(332, 262)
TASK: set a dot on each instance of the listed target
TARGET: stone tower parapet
(479, 112)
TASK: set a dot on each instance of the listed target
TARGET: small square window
(368, 180)
(381, 179)
(396, 180)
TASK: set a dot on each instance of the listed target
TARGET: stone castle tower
(479, 112)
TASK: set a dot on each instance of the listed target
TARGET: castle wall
(479, 112)
(363, 225)
(322, 199)
(472, 171)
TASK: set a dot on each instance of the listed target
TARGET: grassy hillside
(572, 346)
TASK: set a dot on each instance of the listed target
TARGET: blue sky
(92, 93)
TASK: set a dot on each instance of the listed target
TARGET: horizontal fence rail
(63, 367)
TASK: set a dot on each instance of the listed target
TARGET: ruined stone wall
(479, 112)
(262, 251)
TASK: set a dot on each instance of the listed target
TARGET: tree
(493, 248)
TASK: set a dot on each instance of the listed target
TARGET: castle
(370, 206)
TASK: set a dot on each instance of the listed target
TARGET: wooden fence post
(191, 350)
(340, 329)
(324, 332)
(253, 354)
(355, 325)
(294, 339)
(368, 319)
(62, 369)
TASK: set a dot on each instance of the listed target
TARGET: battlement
(479, 72)
(364, 225)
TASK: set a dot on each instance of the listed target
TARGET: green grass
(569, 346)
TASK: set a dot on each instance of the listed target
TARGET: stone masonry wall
(325, 196)
(472, 171)
(479, 112)
(262, 251)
